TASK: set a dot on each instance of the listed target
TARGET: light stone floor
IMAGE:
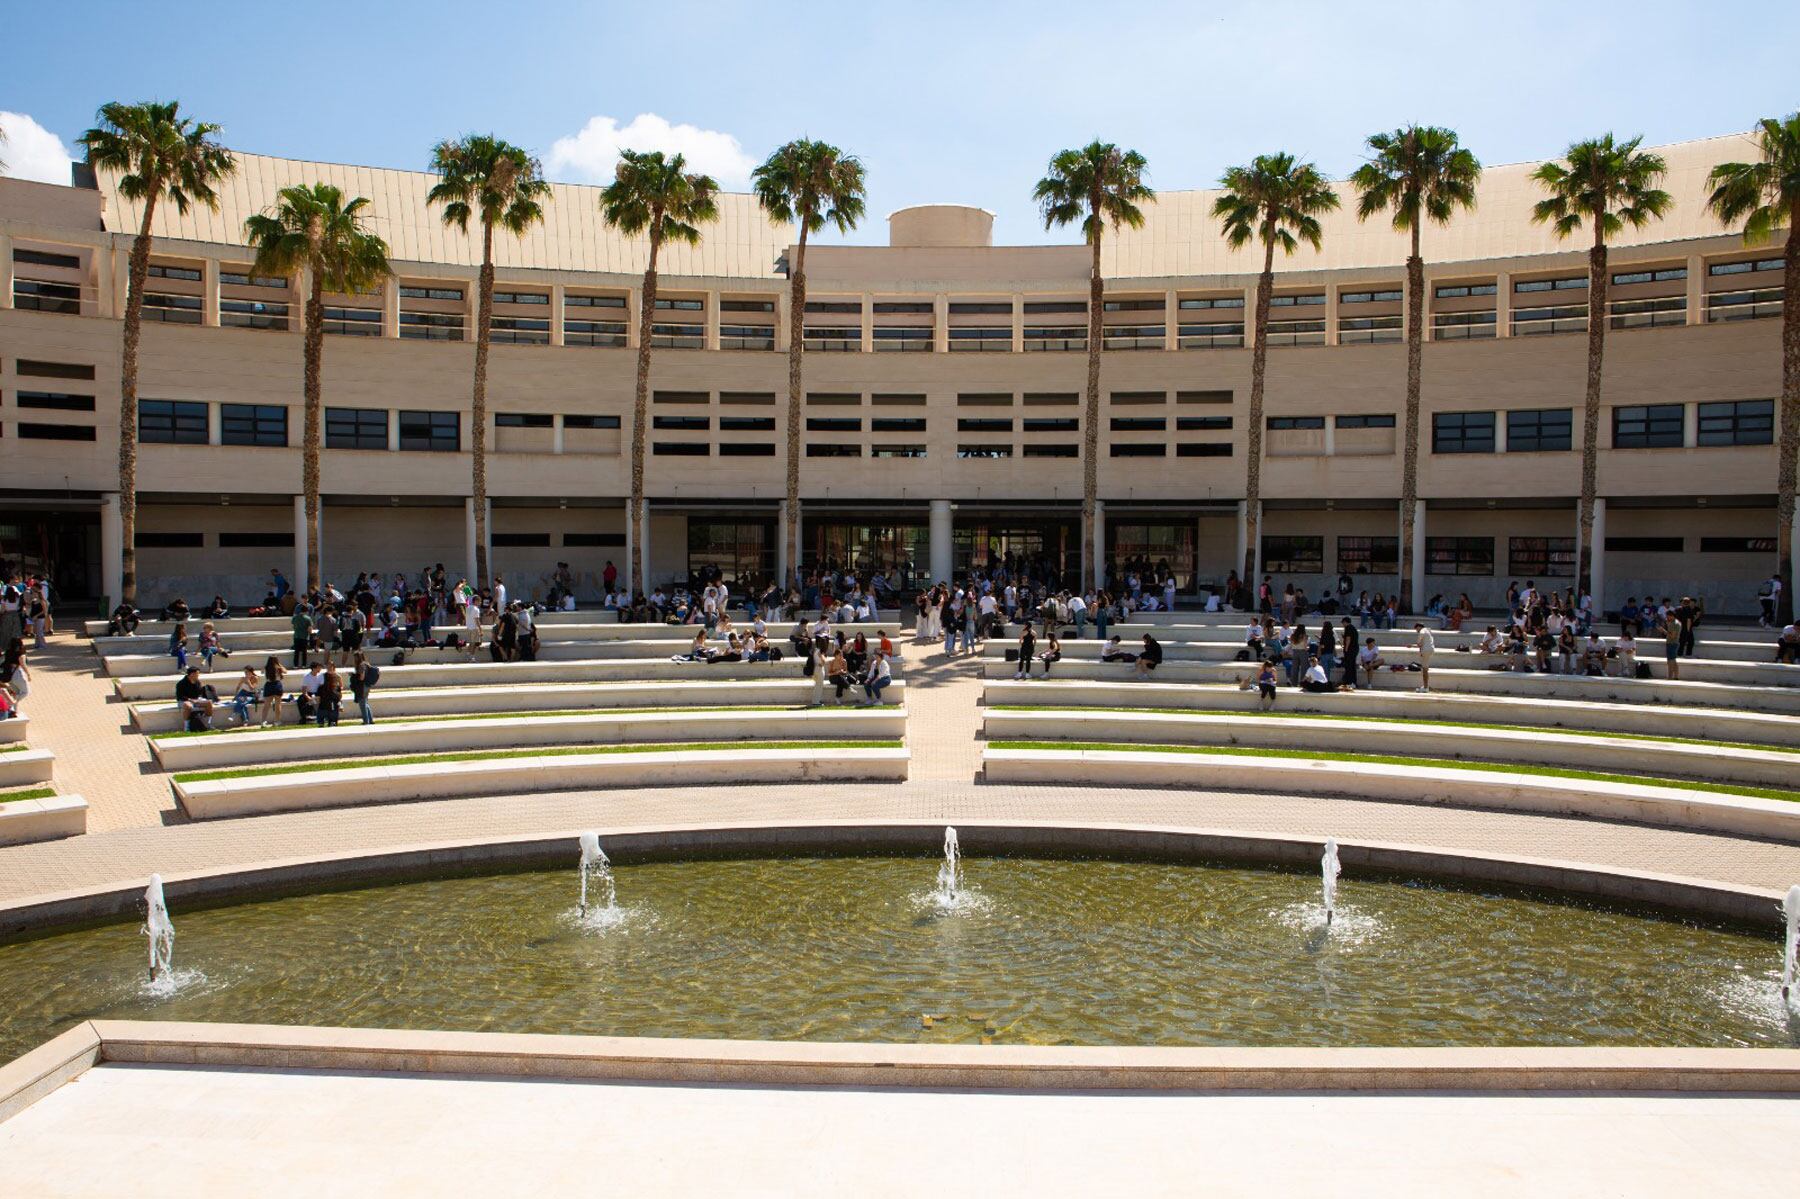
(136, 826)
(161, 1130)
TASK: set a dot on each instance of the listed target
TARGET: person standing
(362, 681)
(815, 669)
(303, 634)
(1027, 647)
(1427, 645)
(269, 711)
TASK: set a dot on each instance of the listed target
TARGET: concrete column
(556, 434)
(643, 533)
(393, 431)
(1418, 557)
(1171, 320)
(1690, 425)
(215, 425)
(121, 282)
(1331, 313)
(940, 323)
(1503, 305)
(390, 308)
(942, 541)
(634, 307)
(868, 323)
(783, 542)
(6, 271)
(1499, 431)
(1018, 323)
(469, 540)
(1095, 571)
(557, 308)
(712, 320)
(1256, 575)
(209, 294)
(1243, 535)
(784, 307)
(1696, 290)
(1250, 332)
(112, 544)
(1598, 577)
(1330, 435)
(298, 578)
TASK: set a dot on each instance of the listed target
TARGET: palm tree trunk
(1090, 441)
(128, 404)
(640, 421)
(1590, 415)
(310, 438)
(1789, 445)
(1253, 441)
(796, 353)
(478, 423)
(1409, 454)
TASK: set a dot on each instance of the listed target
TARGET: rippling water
(1048, 952)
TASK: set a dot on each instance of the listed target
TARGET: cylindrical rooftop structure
(957, 226)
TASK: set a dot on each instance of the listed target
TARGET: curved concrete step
(22, 767)
(25, 820)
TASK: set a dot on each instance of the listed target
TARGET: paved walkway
(136, 827)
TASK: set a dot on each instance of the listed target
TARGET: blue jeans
(949, 639)
(874, 689)
(1101, 620)
(1080, 625)
(368, 714)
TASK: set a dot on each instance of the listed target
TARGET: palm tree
(1765, 196)
(1609, 184)
(1422, 174)
(1098, 185)
(811, 184)
(1276, 201)
(654, 193)
(157, 152)
(502, 186)
(314, 228)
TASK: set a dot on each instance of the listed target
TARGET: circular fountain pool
(1039, 951)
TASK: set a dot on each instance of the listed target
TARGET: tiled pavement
(136, 827)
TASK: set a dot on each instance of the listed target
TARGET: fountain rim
(35, 916)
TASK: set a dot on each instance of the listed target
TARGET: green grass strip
(1237, 751)
(351, 714)
(1426, 721)
(12, 747)
(7, 797)
(201, 776)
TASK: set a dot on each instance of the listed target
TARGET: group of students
(25, 609)
(318, 696)
(836, 662)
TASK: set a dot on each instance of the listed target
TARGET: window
(431, 326)
(1132, 449)
(356, 429)
(850, 307)
(1132, 306)
(679, 397)
(253, 314)
(1045, 307)
(171, 309)
(60, 400)
(898, 424)
(590, 422)
(431, 293)
(834, 424)
(253, 424)
(1645, 545)
(1139, 424)
(1368, 555)
(897, 451)
(749, 306)
(52, 370)
(593, 540)
(158, 271)
(431, 431)
(681, 422)
(1457, 291)
(1384, 420)
(684, 305)
(1053, 338)
(688, 449)
(984, 399)
(520, 330)
(968, 308)
(746, 449)
(1625, 278)
(1283, 423)
(67, 262)
(847, 399)
(520, 540)
(746, 397)
(1052, 451)
(523, 420)
(521, 297)
(834, 451)
(1529, 430)
(1292, 301)
(578, 301)
(1052, 424)
(984, 451)
(34, 295)
(1222, 302)
(1745, 267)
(1369, 297)
(244, 278)
(1051, 398)
(1459, 555)
(1140, 397)
(256, 541)
(1541, 557)
(1293, 555)
(1203, 397)
(1203, 449)
(1737, 422)
(170, 541)
(172, 422)
(1000, 424)
(1647, 426)
(1569, 283)
(1462, 433)
(1737, 545)
(917, 339)
(746, 423)
(36, 432)
(353, 322)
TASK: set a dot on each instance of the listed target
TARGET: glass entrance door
(1047, 549)
(63, 545)
(740, 552)
(1152, 550)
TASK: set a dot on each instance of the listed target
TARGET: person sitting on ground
(698, 650)
(218, 609)
(1150, 658)
(1491, 643)
(1052, 655)
(1593, 654)
(124, 621)
(1265, 686)
(1787, 646)
(1566, 649)
(1369, 660)
(733, 651)
(210, 646)
(1315, 680)
(858, 655)
(247, 695)
(178, 647)
(1543, 644)
(176, 610)
(1627, 650)
(196, 701)
(308, 698)
(1112, 651)
(883, 645)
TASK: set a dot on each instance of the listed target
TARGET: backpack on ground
(1643, 670)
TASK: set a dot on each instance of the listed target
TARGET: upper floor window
(1567, 283)
(1286, 423)
(1533, 429)
(685, 305)
(431, 431)
(1379, 420)
(159, 271)
(356, 429)
(1293, 555)
(969, 308)
(1665, 275)
(432, 293)
(521, 297)
(1459, 555)
(172, 422)
(253, 424)
(1737, 422)
(1457, 291)
(1647, 426)
(1462, 433)
(1745, 267)
(1291, 301)
(67, 262)
(1369, 297)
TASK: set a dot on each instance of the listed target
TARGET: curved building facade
(942, 421)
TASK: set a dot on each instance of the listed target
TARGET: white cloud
(589, 156)
(32, 151)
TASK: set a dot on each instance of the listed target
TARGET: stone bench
(1741, 647)
(353, 785)
(46, 819)
(1615, 755)
(14, 729)
(257, 747)
(1717, 723)
(1445, 678)
(456, 673)
(23, 767)
(538, 697)
(1703, 811)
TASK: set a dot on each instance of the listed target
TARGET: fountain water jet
(159, 928)
(593, 861)
(949, 879)
(1790, 906)
(1329, 869)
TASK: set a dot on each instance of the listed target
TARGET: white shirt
(499, 597)
(1427, 643)
(1315, 673)
(1077, 605)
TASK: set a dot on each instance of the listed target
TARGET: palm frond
(1098, 185)
(156, 151)
(812, 184)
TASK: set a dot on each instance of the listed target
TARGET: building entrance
(1047, 548)
(63, 544)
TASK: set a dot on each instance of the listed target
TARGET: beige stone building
(943, 407)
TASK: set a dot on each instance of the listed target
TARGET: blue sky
(944, 101)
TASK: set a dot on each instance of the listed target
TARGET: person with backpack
(815, 670)
(362, 681)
